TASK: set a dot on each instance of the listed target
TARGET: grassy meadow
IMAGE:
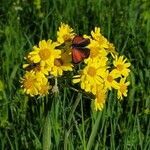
(67, 121)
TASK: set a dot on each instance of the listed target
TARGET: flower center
(91, 71)
(119, 67)
(123, 88)
(58, 62)
(44, 54)
(28, 83)
(109, 78)
(66, 37)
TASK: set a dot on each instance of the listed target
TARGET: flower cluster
(100, 71)
(104, 70)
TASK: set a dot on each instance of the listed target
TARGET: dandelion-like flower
(30, 84)
(98, 45)
(122, 88)
(62, 64)
(91, 76)
(110, 81)
(111, 50)
(121, 66)
(35, 83)
(65, 33)
(97, 36)
(45, 54)
(96, 50)
(44, 87)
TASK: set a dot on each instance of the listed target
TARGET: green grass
(66, 121)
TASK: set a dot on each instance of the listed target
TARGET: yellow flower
(91, 76)
(122, 90)
(111, 50)
(96, 50)
(43, 84)
(121, 66)
(44, 88)
(30, 84)
(98, 45)
(62, 64)
(97, 36)
(110, 81)
(45, 54)
(100, 99)
(65, 33)
(35, 83)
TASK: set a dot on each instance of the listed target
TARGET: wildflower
(96, 50)
(121, 66)
(122, 90)
(100, 98)
(62, 64)
(30, 84)
(45, 54)
(35, 83)
(44, 87)
(91, 76)
(98, 45)
(97, 36)
(111, 50)
(64, 34)
(110, 81)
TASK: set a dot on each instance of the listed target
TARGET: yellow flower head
(45, 54)
(97, 36)
(96, 50)
(110, 81)
(91, 76)
(65, 33)
(121, 66)
(111, 50)
(122, 90)
(62, 64)
(32, 83)
(44, 88)
(100, 99)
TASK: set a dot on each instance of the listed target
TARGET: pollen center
(110, 78)
(123, 88)
(91, 71)
(66, 37)
(58, 62)
(44, 54)
(28, 83)
(120, 67)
